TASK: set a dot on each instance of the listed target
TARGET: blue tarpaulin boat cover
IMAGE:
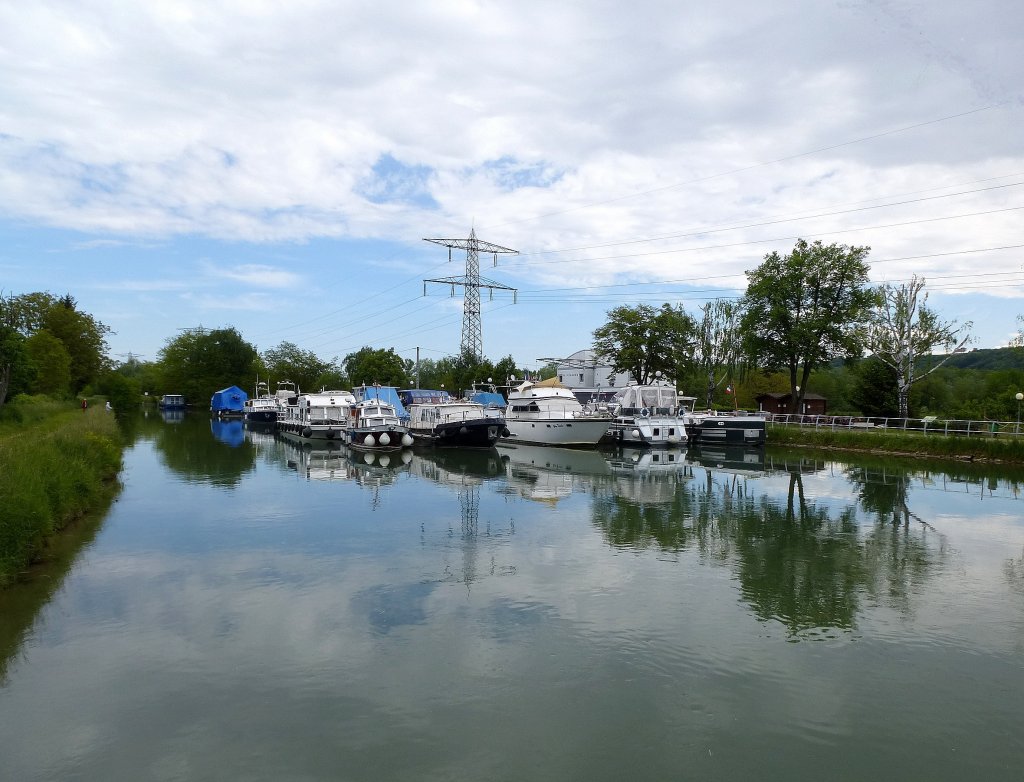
(388, 394)
(231, 399)
(488, 399)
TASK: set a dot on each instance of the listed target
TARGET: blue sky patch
(394, 182)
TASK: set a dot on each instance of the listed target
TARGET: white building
(582, 370)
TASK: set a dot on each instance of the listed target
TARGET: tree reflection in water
(798, 561)
(201, 457)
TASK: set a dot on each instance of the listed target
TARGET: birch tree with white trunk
(903, 329)
(718, 344)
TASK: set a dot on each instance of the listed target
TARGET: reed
(1000, 447)
(56, 464)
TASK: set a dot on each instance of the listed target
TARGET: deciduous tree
(52, 364)
(903, 328)
(290, 362)
(717, 346)
(806, 308)
(84, 338)
(198, 362)
(643, 340)
(374, 365)
(14, 362)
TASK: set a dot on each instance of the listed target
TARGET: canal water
(250, 609)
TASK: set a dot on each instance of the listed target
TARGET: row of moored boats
(383, 418)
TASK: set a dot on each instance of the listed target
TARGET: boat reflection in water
(458, 466)
(738, 459)
(651, 476)
(332, 461)
(228, 431)
(549, 474)
(172, 415)
(259, 433)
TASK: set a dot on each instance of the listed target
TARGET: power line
(778, 238)
(755, 165)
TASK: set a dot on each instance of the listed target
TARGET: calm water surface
(249, 609)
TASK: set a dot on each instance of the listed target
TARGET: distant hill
(985, 358)
(981, 358)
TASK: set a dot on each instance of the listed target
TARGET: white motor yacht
(548, 413)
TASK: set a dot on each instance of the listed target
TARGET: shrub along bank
(57, 463)
(1002, 447)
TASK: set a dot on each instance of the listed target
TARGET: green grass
(1002, 447)
(56, 464)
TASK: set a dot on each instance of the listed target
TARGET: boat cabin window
(530, 408)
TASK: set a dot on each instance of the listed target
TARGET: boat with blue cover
(435, 418)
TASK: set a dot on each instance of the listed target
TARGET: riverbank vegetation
(997, 447)
(58, 463)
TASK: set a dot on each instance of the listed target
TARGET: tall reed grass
(56, 464)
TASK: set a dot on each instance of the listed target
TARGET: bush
(59, 468)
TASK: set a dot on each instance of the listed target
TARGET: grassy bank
(1000, 448)
(56, 464)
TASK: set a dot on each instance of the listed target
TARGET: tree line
(49, 346)
(810, 321)
(801, 313)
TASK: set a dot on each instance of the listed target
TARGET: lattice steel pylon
(472, 282)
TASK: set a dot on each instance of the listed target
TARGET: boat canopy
(488, 399)
(387, 394)
(661, 399)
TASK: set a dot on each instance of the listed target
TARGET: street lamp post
(1019, 397)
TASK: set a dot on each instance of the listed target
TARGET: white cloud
(547, 126)
(257, 275)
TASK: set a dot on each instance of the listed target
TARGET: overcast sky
(275, 166)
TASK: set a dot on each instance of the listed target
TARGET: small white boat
(548, 413)
(261, 407)
(374, 425)
(648, 416)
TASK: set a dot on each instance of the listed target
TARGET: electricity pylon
(472, 282)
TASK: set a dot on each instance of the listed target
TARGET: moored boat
(374, 425)
(171, 402)
(648, 415)
(228, 402)
(437, 419)
(725, 428)
(261, 407)
(321, 416)
(548, 413)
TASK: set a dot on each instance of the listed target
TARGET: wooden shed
(813, 404)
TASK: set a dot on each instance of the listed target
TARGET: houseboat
(321, 416)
